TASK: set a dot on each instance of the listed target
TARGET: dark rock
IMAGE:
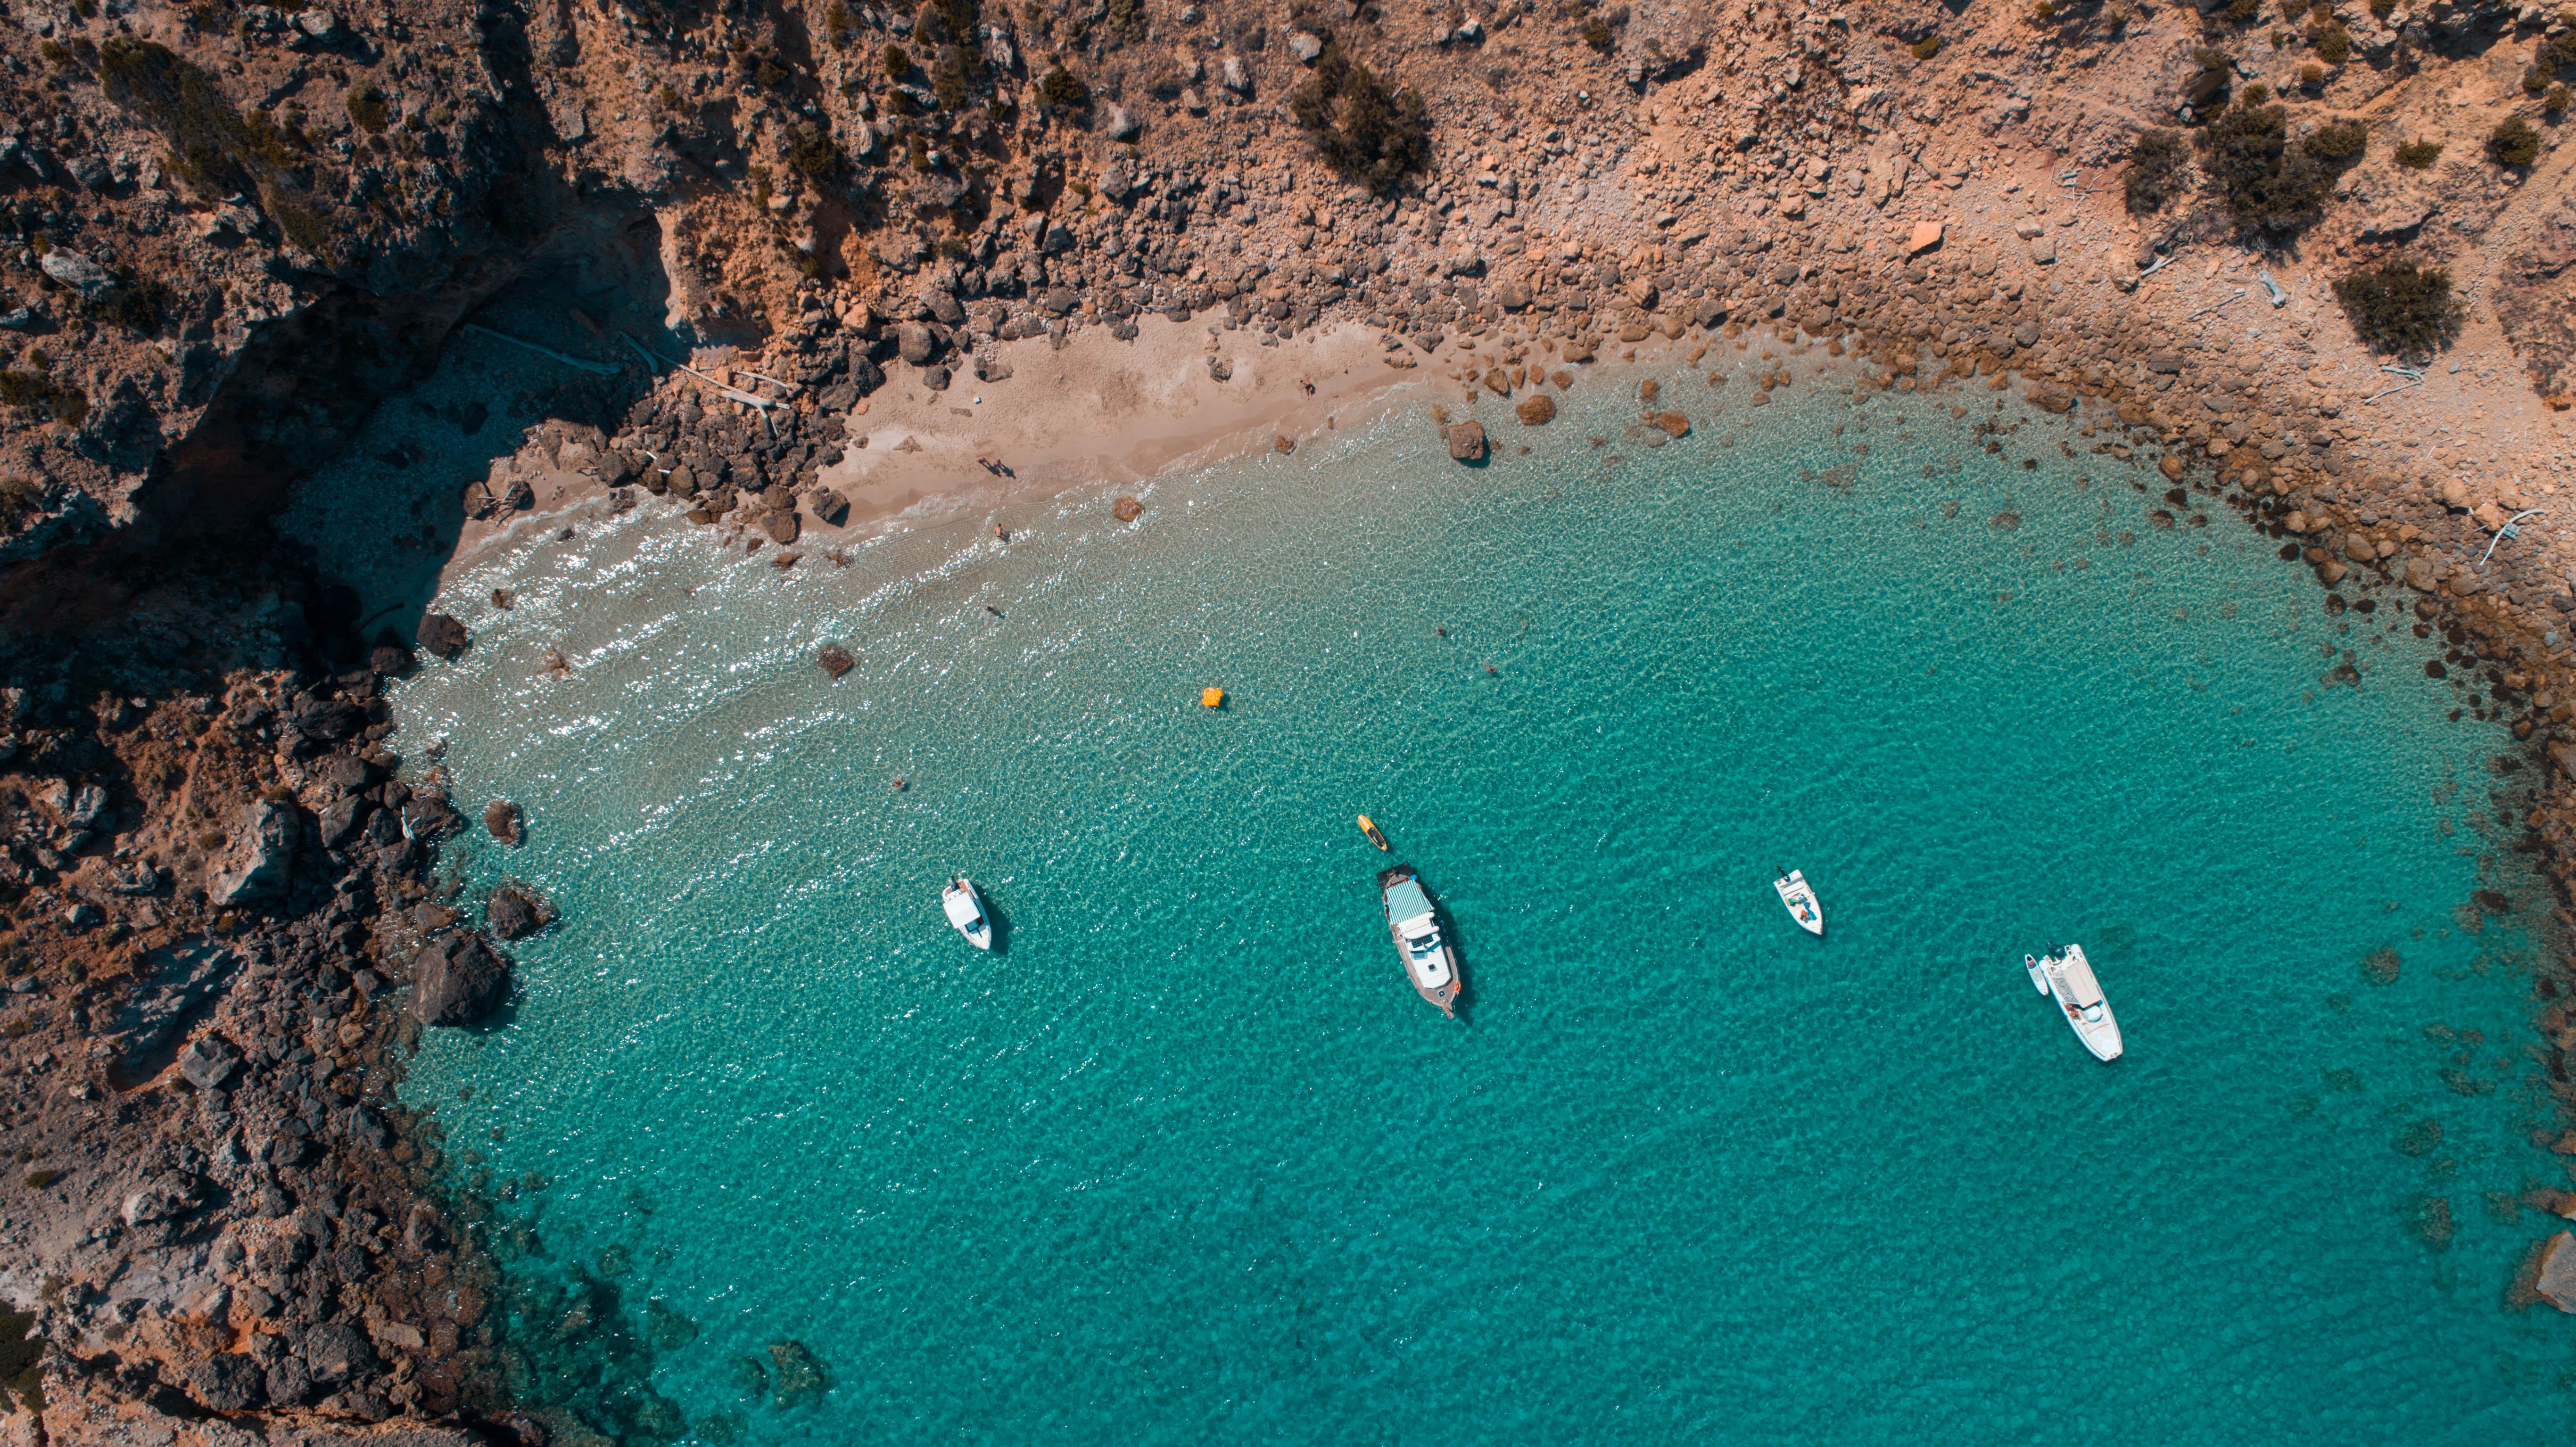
(781, 527)
(1060, 301)
(835, 659)
(1126, 509)
(935, 378)
(915, 344)
(829, 506)
(289, 1384)
(348, 771)
(226, 1382)
(442, 635)
(333, 1352)
(327, 720)
(457, 980)
(505, 822)
(339, 820)
(516, 911)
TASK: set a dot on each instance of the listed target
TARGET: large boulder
(1467, 441)
(915, 343)
(226, 1382)
(516, 911)
(2557, 1283)
(263, 850)
(208, 1062)
(333, 1352)
(457, 980)
(442, 635)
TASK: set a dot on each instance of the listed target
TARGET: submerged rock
(835, 659)
(1467, 441)
(1536, 410)
(1126, 509)
(505, 821)
(457, 980)
(798, 1374)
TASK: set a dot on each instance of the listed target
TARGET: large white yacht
(1428, 960)
(2069, 977)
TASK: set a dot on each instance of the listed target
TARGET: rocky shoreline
(236, 233)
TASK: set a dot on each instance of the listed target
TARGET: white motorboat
(2038, 978)
(965, 910)
(1416, 927)
(1801, 900)
(2079, 995)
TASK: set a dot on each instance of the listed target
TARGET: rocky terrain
(231, 236)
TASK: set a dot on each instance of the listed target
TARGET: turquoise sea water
(1188, 1161)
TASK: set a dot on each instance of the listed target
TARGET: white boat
(2038, 979)
(1416, 927)
(2079, 995)
(966, 911)
(1800, 897)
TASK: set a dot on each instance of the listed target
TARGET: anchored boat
(1428, 960)
(1801, 900)
(2069, 976)
(965, 909)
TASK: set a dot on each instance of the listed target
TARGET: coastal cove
(1188, 1157)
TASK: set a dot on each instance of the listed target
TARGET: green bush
(2514, 143)
(838, 28)
(2312, 76)
(2269, 185)
(19, 500)
(2242, 11)
(2337, 141)
(948, 77)
(2383, 8)
(1926, 48)
(2331, 42)
(810, 151)
(2155, 175)
(1596, 33)
(2534, 80)
(213, 147)
(1064, 90)
(2401, 307)
(369, 111)
(2557, 100)
(1368, 133)
(897, 64)
(2418, 155)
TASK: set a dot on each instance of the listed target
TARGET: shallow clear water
(1189, 1161)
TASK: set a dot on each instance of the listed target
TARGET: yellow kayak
(1371, 830)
